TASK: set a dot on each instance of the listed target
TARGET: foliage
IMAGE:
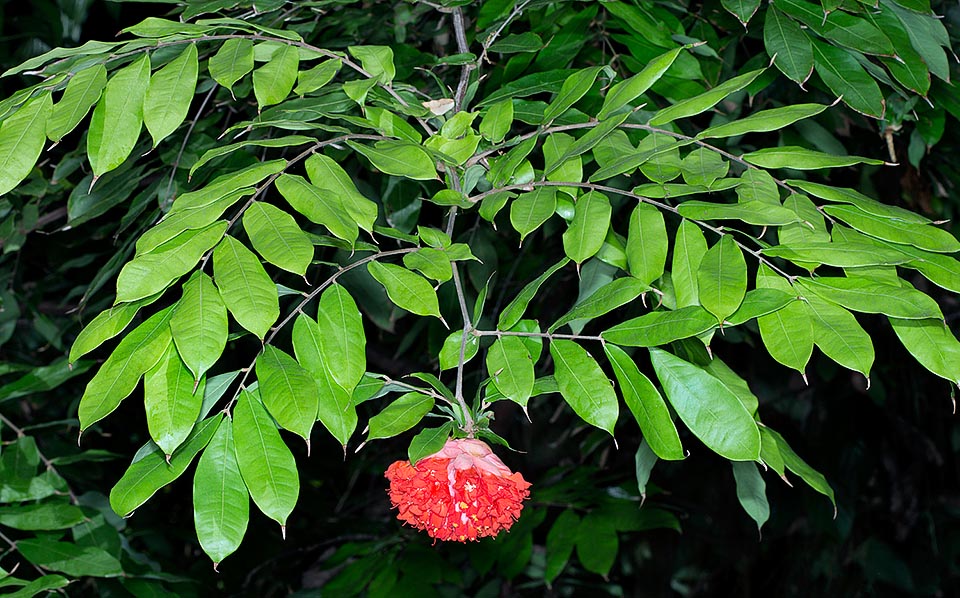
(371, 222)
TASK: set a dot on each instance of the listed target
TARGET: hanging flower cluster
(463, 492)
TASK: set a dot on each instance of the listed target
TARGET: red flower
(464, 492)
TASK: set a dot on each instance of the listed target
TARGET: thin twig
(467, 329)
(547, 335)
(517, 10)
(13, 545)
(186, 138)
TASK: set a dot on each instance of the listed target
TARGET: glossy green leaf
(428, 442)
(376, 60)
(247, 291)
(169, 94)
(794, 463)
(751, 492)
(320, 205)
(646, 404)
(742, 9)
(737, 385)
(661, 327)
(770, 452)
(760, 302)
(646, 243)
(920, 236)
(703, 166)
(450, 351)
(703, 102)
(528, 85)
(517, 42)
(115, 124)
(932, 344)
(399, 158)
(787, 333)
(573, 89)
(342, 341)
(199, 324)
(432, 263)
(232, 61)
(590, 139)
(560, 542)
(139, 351)
(108, 324)
(511, 368)
(842, 255)
(839, 336)
(607, 298)
(711, 411)
(497, 121)
(400, 415)
(597, 543)
(224, 150)
(630, 89)
(514, 310)
(83, 90)
(864, 295)
(644, 460)
(172, 401)
(752, 212)
(845, 77)
(69, 558)
(266, 464)
(277, 237)
(790, 47)
(661, 155)
(22, 137)
(530, 210)
(407, 290)
(773, 119)
(273, 81)
(503, 168)
(722, 278)
(586, 233)
(221, 504)
(313, 79)
(152, 472)
(41, 516)
(288, 391)
(583, 385)
(688, 250)
(799, 158)
(854, 197)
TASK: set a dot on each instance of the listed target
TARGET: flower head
(463, 492)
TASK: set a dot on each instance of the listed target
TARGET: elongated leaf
(787, 333)
(646, 243)
(711, 411)
(760, 302)
(646, 404)
(704, 101)
(399, 158)
(597, 542)
(232, 61)
(688, 250)
(223, 150)
(273, 81)
(752, 212)
(843, 255)
(514, 310)
(630, 89)
(428, 442)
(118, 376)
(288, 391)
(41, 516)
(144, 477)
(751, 492)
(866, 296)
(840, 337)
(407, 290)
(315, 78)
(590, 139)
(742, 9)
(342, 341)
(561, 540)
(400, 415)
(324, 172)
(199, 324)
(530, 210)
(115, 124)
(172, 401)
(921, 236)
(276, 236)
(773, 119)
(607, 298)
(319, 205)
(169, 94)
(661, 327)
(497, 121)
(221, 504)
(845, 77)
(854, 197)
(376, 60)
(575, 87)
(22, 137)
(587, 231)
(800, 158)
(794, 463)
(722, 278)
(108, 324)
(450, 351)
(932, 344)
(511, 368)
(266, 464)
(790, 47)
(69, 558)
(583, 385)
(82, 92)
(246, 289)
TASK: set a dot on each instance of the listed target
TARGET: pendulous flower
(463, 492)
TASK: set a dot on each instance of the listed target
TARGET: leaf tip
(215, 570)
(308, 446)
(283, 531)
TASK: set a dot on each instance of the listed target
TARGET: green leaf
(199, 324)
(517, 42)
(399, 158)
(722, 278)
(66, 557)
(787, 333)
(400, 415)
(597, 543)
(644, 460)
(144, 477)
(751, 492)
(322, 206)
(574, 87)
(689, 246)
(510, 367)
(432, 263)
(503, 169)
(266, 464)
(790, 47)
(172, 401)
(770, 452)
(246, 289)
(315, 78)
(22, 137)
(532, 209)
(450, 351)
(742, 9)
(407, 290)
(794, 463)
(591, 220)
(83, 90)
(760, 302)
(920, 236)
(630, 89)
(589, 140)
(607, 298)
(840, 337)
(139, 351)
(711, 411)
(232, 61)
(854, 197)
(705, 101)
(169, 94)
(799, 158)
(842, 255)
(428, 442)
(342, 342)
(273, 81)
(288, 392)
(376, 60)
(867, 296)
(221, 504)
(528, 85)
(773, 119)
(496, 122)
(583, 385)
(45, 583)
(108, 324)
(277, 237)
(646, 243)
(561, 540)
(646, 404)
(115, 124)
(845, 77)
(514, 310)
(661, 327)
(932, 344)
(223, 150)
(703, 166)
(41, 516)
(759, 213)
